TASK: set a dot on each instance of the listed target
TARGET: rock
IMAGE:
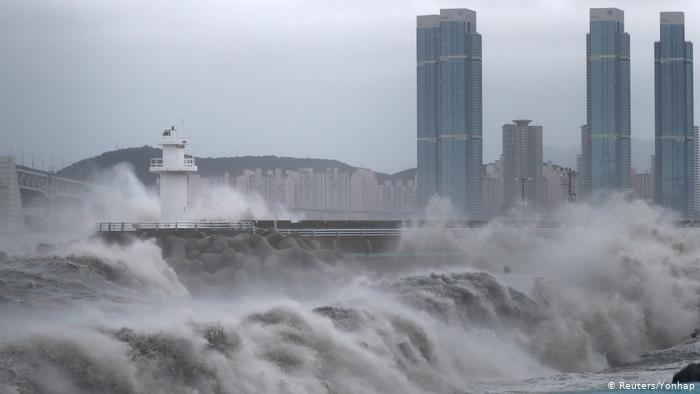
(159, 242)
(288, 242)
(691, 373)
(191, 244)
(242, 237)
(195, 284)
(252, 266)
(211, 261)
(210, 278)
(695, 333)
(193, 267)
(240, 242)
(303, 243)
(179, 264)
(309, 244)
(294, 259)
(241, 278)
(219, 244)
(300, 257)
(226, 275)
(263, 249)
(273, 239)
(44, 248)
(327, 255)
(175, 246)
(202, 245)
(314, 244)
(228, 257)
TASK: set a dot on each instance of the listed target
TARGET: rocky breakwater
(226, 263)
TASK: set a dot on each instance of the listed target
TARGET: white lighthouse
(174, 170)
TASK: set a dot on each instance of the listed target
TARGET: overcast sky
(305, 78)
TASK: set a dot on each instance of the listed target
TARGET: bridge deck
(46, 182)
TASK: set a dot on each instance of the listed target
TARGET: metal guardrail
(403, 232)
(158, 163)
(458, 232)
(194, 225)
(343, 232)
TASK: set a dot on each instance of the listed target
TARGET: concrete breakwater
(214, 252)
(193, 240)
(241, 257)
(234, 262)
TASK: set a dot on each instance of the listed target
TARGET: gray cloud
(321, 78)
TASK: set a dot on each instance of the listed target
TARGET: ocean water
(612, 297)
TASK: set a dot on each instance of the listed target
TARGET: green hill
(138, 158)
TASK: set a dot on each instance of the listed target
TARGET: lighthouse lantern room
(174, 171)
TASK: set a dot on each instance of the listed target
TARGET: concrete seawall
(338, 245)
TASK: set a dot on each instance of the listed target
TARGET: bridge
(50, 185)
(27, 195)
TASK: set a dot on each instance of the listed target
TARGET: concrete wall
(174, 196)
(11, 213)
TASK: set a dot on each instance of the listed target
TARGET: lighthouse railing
(158, 162)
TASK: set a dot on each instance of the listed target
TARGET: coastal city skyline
(506, 84)
(450, 117)
(450, 153)
(349, 196)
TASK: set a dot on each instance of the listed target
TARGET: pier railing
(194, 225)
(401, 232)
(242, 225)
(158, 162)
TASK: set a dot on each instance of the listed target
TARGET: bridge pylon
(11, 212)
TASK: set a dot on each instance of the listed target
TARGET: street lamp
(522, 181)
(567, 180)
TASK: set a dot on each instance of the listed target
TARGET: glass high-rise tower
(607, 158)
(449, 108)
(674, 164)
(523, 180)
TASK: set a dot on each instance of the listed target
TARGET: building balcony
(157, 165)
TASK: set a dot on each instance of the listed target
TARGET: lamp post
(567, 180)
(522, 182)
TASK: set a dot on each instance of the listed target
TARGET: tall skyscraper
(607, 157)
(674, 186)
(449, 108)
(522, 165)
(584, 162)
(696, 167)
